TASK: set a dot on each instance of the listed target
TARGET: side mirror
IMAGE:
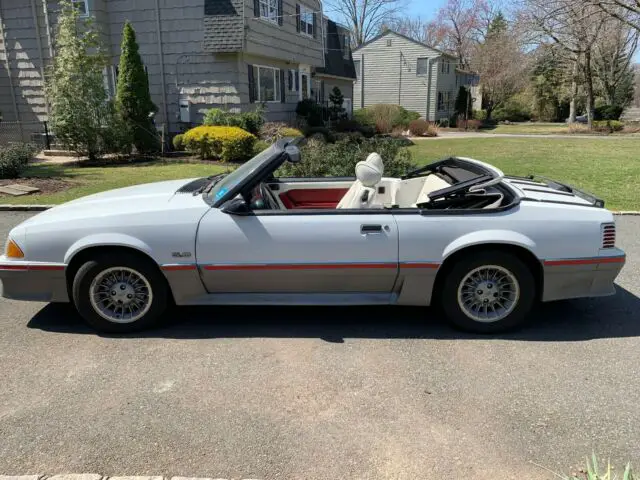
(236, 206)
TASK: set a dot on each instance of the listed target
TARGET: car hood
(136, 199)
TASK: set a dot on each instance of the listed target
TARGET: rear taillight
(608, 235)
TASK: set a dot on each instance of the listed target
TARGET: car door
(298, 252)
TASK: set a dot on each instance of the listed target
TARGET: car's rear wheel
(121, 294)
(488, 292)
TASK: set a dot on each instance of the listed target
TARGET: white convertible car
(458, 233)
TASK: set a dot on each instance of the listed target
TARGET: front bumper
(33, 281)
(582, 277)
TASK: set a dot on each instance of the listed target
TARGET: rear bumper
(33, 281)
(581, 277)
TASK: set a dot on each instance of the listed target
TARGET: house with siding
(199, 54)
(393, 68)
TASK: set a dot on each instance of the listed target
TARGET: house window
(269, 10)
(444, 67)
(306, 21)
(388, 42)
(82, 6)
(346, 45)
(443, 101)
(422, 66)
(356, 65)
(267, 84)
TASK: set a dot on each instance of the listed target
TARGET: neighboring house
(393, 68)
(198, 54)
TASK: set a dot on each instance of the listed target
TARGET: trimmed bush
(608, 126)
(272, 131)
(479, 115)
(315, 131)
(14, 159)
(418, 127)
(385, 117)
(339, 159)
(251, 122)
(474, 124)
(290, 132)
(608, 112)
(178, 142)
(226, 143)
(312, 113)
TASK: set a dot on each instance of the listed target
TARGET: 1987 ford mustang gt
(458, 233)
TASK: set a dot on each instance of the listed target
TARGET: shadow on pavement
(570, 320)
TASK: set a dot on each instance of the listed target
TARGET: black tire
(91, 269)
(515, 318)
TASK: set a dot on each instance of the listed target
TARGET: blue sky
(426, 9)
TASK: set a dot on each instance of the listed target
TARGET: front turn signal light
(13, 250)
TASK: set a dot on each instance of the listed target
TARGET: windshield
(229, 182)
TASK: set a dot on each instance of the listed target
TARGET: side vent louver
(608, 235)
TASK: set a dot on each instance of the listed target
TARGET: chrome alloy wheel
(488, 293)
(120, 294)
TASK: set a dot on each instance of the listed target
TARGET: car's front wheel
(488, 292)
(120, 293)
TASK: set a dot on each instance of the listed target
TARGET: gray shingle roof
(336, 63)
(223, 26)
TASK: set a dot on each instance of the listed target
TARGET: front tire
(488, 292)
(118, 295)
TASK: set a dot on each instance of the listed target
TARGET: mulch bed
(46, 185)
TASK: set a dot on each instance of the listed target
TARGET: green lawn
(530, 128)
(607, 167)
(91, 180)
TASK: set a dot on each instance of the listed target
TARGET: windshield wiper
(206, 188)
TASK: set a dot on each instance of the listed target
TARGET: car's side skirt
(293, 299)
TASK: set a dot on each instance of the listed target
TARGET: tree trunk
(588, 83)
(574, 91)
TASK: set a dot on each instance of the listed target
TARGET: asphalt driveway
(323, 393)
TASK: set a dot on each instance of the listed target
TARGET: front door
(291, 252)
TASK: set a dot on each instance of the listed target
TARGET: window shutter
(280, 11)
(298, 17)
(283, 90)
(252, 85)
(297, 81)
(256, 8)
(314, 25)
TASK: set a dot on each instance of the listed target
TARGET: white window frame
(307, 14)
(276, 83)
(357, 65)
(304, 70)
(269, 4)
(444, 68)
(295, 81)
(86, 6)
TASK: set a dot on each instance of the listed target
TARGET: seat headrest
(369, 172)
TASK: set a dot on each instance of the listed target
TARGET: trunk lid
(542, 189)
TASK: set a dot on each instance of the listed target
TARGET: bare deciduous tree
(612, 57)
(364, 17)
(575, 26)
(626, 11)
(502, 66)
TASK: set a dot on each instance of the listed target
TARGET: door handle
(371, 229)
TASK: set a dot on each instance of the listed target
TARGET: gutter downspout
(36, 23)
(429, 86)
(8, 67)
(47, 25)
(161, 54)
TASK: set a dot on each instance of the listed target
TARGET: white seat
(363, 191)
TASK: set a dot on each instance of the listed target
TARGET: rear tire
(118, 295)
(488, 292)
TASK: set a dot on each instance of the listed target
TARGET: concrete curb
(39, 208)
